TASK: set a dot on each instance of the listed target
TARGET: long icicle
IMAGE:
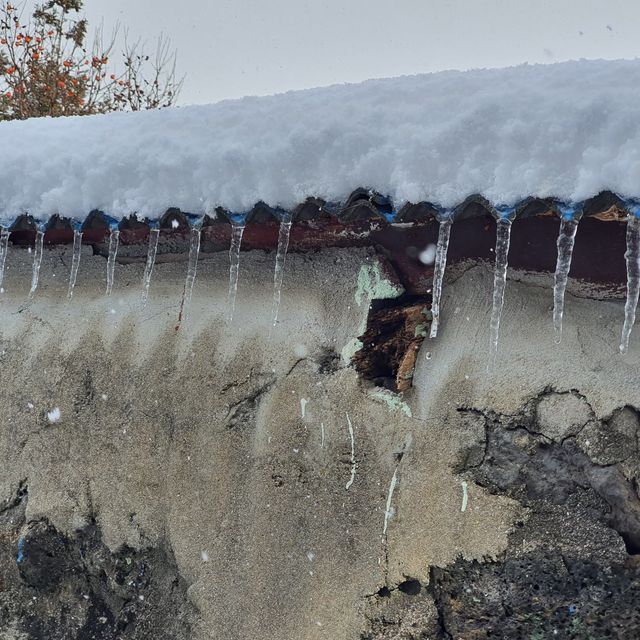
(194, 253)
(37, 260)
(281, 258)
(632, 256)
(4, 249)
(439, 267)
(75, 260)
(237, 229)
(154, 236)
(503, 239)
(114, 240)
(192, 268)
(566, 240)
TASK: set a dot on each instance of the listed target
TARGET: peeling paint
(421, 331)
(353, 453)
(350, 349)
(389, 509)
(465, 496)
(303, 406)
(393, 401)
(372, 284)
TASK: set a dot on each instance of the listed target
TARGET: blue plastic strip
(633, 207)
(238, 218)
(505, 212)
(390, 216)
(112, 223)
(20, 556)
(568, 210)
(193, 220)
(443, 214)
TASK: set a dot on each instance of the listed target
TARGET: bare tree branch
(46, 70)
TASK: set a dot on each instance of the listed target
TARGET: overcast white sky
(231, 48)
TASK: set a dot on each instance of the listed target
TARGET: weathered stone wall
(242, 482)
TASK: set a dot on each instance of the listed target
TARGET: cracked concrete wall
(229, 446)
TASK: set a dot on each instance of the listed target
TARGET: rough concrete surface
(236, 481)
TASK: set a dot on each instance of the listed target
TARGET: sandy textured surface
(231, 444)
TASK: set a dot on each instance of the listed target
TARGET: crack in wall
(242, 411)
(15, 500)
(521, 459)
(569, 567)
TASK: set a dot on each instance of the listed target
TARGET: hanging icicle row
(569, 213)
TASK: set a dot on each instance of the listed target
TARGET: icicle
(114, 240)
(281, 257)
(154, 236)
(566, 238)
(237, 229)
(503, 239)
(75, 259)
(37, 259)
(632, 257)
(192, 268)
(4, 249)
(438, 269)
(194, 252)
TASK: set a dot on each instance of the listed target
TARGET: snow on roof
(565, 130)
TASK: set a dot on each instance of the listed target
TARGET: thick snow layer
(567, 130)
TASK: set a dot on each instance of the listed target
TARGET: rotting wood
(391, 343)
